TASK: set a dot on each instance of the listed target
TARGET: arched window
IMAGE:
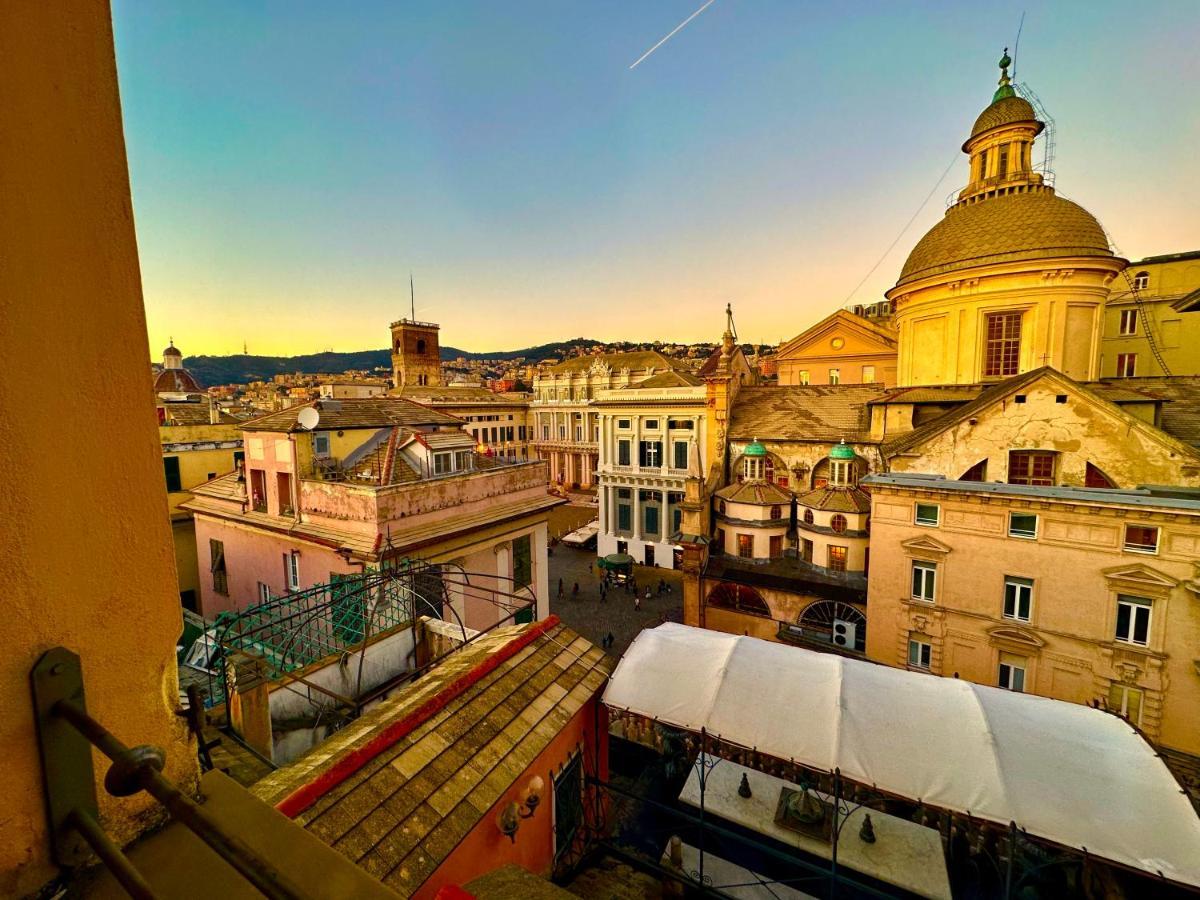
(776, 512)
(808, 517)
(1095, 478)
(838, 623)
(820, 474)
(1141, 281)
(838, 523)
(421, 345)
(721, 507)
(977, 472)
(739, 597)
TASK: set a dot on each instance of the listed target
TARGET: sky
(292, 162)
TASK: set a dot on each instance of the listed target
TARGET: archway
(739, 597)
(838, 623)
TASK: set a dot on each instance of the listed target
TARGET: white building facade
(651, 441)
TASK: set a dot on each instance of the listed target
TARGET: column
(664, 524)
(637, 514)
(602, 508)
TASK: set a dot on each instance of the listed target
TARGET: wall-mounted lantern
(509, 818)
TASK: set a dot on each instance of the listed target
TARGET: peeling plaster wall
(88, 561)
(1079, 430)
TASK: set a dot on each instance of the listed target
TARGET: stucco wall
(88, 560)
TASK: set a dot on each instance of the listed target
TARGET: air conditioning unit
(844, 633)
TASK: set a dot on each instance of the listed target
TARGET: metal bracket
(69, 777)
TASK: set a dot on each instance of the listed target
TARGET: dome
(754, 448)
(842, 451)
(1005, 111)
(176, 381)
(1009, 228)
(171, 351)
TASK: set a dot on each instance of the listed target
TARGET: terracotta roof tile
(369, 412)
(812, 412)
(853, 500)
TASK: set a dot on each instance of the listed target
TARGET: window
(291, 563)
(745, 545)
(623, 424)
(650, 454)
(1031, 467)
(1022, 525)
(983, 165)
(804, 376)
(442, 463)
(220, 575)
(545, 432)
(1002, 165)
(624, 516)
(578, 432)
(650, 514)
(1141, 538)
(776, 512)
(977, 472)
(622, 453)
(1133, 619)
(1018, 598)
(681, 424)
(1093, 477)
(868, 374)
(837, 558)
(808, 517)
(927, 514)
(1141, 281)
(681, 454)
(920, 653)
(838, 523)
(562, 432)
(1012, 672)
(522, 561)
(1126, 365)
(1002, 344)
(321, 443)
(924, 577)
(835, 376)
(264, 593)
(776, 546)
(420, 345)
(736, 596)
(652, 424)
(1126, 702)
(806, 550)
(1129, 320)
(171, 470)
(568, 805)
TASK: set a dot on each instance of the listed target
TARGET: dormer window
(1141, 281)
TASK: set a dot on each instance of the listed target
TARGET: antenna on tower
(1017, 44)
(1047, 164)
(412, 295)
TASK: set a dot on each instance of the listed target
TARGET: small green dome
(754, 448)
(842, 451)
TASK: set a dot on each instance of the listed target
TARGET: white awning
(1070, 774)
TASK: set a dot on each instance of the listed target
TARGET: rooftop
(809, 412)
(632, 360)
(432, 760)
(359, 412)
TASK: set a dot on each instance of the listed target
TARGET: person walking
(561, 593)
(575, 591)
(637, 601)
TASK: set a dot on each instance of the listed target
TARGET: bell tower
(416, 357)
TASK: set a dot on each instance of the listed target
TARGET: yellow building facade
(1014, 277)
(1151, 327)
(843, 348)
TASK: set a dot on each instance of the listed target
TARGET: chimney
(214, 412)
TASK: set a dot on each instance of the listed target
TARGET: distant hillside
(241, 368)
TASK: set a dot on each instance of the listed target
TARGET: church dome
(1005, 111)
(1009, 228)
(176, 381)
(842, 451)
(172, 351)
(754, 448)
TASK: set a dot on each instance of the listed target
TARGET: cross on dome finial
(1006, 88)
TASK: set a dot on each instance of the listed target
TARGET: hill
(242, 368)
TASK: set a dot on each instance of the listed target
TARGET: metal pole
(110, 854)
(1012, 851)
(700, 777)
(144, 776)
(837, 808)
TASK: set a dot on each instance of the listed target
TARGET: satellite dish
(308, 418)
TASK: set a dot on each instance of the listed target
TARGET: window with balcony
(1141, 538)
(650, 454)
(920, 653)
(928, 514)
(1129, 321)
(924, 580)
(1031, 467)
(1012, 672)
(623, 453)
(1133, 620)
(1126, 702)
(650, 516)
(1023, 525)
(1002, 344)
(680, 449)
(837, 558)
(1018, 598)
(1126, 365)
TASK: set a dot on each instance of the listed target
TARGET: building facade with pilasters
(650, 442)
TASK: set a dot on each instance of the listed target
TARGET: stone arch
(728, 595)
(825, 620)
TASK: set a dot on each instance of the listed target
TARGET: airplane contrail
(673, 32)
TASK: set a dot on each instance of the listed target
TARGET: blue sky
(291, 162)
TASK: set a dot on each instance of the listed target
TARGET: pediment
(841, 324)
(1140, 574)
(1011, 634)
(925, 544)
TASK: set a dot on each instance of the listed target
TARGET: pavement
(595, 618)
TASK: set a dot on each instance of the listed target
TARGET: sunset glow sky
(291, 162)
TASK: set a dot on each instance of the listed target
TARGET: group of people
(609, 579)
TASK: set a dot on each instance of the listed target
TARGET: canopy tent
(1067, 773)
(616, 561)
